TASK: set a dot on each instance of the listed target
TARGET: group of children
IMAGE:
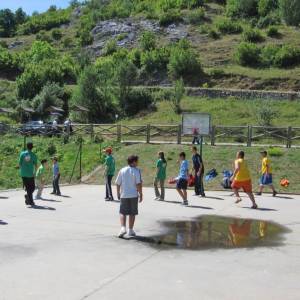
(129, 181)
(33, 176)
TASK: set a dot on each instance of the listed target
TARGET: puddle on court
(213, 232)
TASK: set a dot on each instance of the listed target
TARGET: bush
(290, 11)
(196, 16)
(170, 17)
(275, 152)
(214, 34)
(138, 100)
(147, 41)
(184, 64)
(247, 54)
(271, 19)
(67, 42)
(268, 54)
(155, 60)
(110, 47)
(252, 35)
(56, 34)
(43, 37)
(228, 26)
(241, 8)
(191, 4)
(265, 112)
(179, 92)
(287, 56)
(3, 44)
(9, 63)
(273, 32)
(265, 6)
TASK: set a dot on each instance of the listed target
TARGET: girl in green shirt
(160, 177)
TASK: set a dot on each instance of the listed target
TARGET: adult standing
(241, 179)
(160, 177)
(198, 168)
(129, 191)
(28, 168)
(109, 172)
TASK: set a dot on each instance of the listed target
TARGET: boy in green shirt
(110, 167)
(40, 178)
(27, 166)
(161, 167)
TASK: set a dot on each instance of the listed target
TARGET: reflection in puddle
(207, 232)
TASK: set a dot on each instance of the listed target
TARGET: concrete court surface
(68, 249)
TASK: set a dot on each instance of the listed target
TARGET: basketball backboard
(199, 123)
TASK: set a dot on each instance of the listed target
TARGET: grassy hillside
(220, 158)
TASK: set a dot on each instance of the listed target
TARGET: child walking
(110, 167)
(161, 167)
(40, 178)
(182, 179)
(56, 177)
(266, 174)
(241, 179)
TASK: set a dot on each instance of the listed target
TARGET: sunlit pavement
(66, 248)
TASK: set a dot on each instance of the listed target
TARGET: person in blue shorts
(182, 179)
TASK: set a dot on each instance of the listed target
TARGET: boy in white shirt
(129, 191)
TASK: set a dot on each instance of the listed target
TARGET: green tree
(241, 8)
(290, 11)
(147, 41)
(20, 16)
(7, 23)
(176, 98)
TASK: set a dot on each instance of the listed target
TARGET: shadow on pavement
(3, 223)
(283, 197)
(42, 207)
(2, 197)
(64, 196)
(214, 198)
(49, 200)
(169, 201)
(262, 208)
(202, 207)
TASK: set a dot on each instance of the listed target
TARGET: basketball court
(66, 248)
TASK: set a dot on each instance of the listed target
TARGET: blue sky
(33, 5)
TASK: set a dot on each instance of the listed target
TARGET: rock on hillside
(127, 31)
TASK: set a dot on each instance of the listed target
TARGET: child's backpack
(191, 180)
(226, 182)
(210, 175)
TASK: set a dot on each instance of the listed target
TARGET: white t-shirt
(128, 178)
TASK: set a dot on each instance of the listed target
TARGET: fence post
(148, 134)
(249, 136)
(289, 137)
(119, 133)
(213, 135)
(92, 131)
(179, 134)
(80, 160)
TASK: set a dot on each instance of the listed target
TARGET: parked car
(33, 128)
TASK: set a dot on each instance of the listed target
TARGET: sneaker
(106, 199)
(161, 199)
(274, 194)
(254, 206)
(131, 233)
(53, 193)
(157, 198)
(122, 232)
(185, 203)
(26, 200)
(38, 198)
(258, 194)
(58, 194)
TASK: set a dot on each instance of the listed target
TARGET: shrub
(67, 42)
(184, 64)
(247, 54)
(138, 100)
(213, 33)
(170, 17)
(228, 26)
(275, 152)
(191, 4)
(265, 6)
(3, 44)
(252, 35)
(155, 60)
(56, 34)
(216, 73)
(290, 11)
(179, 92)
(287, 56)
(196, 16)
(43, 37)
(268, 54)
(271, 19)
(265, 112)
(9, 63)
(241, 8)
(272, 31)
(110, 47)
(147, 41)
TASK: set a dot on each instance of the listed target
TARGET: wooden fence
(172, 134)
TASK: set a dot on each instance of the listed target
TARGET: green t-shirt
(40, 172)
(162, 167)
(27, 162)
(110, 165)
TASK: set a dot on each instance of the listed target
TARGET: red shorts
(245, 185)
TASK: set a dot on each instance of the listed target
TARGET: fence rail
(164, 134)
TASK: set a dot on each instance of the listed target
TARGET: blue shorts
(182, 184)
(266, 179)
